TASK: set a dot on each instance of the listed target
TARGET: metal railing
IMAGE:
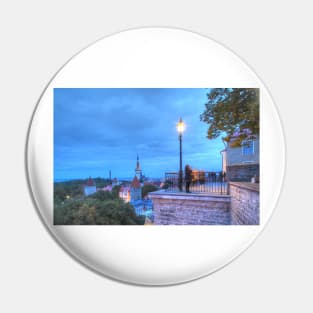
(201, 182)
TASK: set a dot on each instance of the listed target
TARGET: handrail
(198, 182)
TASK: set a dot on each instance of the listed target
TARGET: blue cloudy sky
(96, 130)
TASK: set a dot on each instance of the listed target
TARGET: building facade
(124, 193)
(135, 190)
(242, 163)
(115, 182)
(90, 187)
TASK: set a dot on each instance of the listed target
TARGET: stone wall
(190, 209)
(245, 203)
(243, 172)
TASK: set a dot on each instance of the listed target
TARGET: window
(248, 147)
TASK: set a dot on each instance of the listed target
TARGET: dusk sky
(96, 130)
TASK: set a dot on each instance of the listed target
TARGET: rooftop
(135, 183)
(90, 182)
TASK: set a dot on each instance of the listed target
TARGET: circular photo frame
(155, 156)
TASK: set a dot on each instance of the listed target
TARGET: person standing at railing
(188, 177)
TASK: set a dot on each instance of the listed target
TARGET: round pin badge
(155, 156)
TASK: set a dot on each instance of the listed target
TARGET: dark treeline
(73, 188)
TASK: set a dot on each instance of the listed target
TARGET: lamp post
(180, 129)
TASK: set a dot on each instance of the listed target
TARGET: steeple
(138, 169)
(137, 165)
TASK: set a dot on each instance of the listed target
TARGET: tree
(232, 111)
(91, 211)
(148, 188)
(71, 189)
(102, 195)
(115, 192)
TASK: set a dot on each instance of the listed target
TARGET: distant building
(133, 192)
(107, 188)
(138, 170)
(124, 193)
(90, 187)
(135, 189)
(115, 182)
(242, 163)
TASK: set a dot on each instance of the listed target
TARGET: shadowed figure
(188, 177)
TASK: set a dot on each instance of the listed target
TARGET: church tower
(135, 189)
(138, 170)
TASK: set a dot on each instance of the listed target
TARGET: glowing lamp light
(180, 126)
(180, 129)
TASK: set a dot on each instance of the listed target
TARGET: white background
(37, 38)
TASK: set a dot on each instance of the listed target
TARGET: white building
(124, 193)
(242, 163)
(115, 182)
(90, 187)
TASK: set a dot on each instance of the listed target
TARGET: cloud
(100, 129)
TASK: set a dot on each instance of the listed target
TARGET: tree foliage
(115, 192)
(232, 110)
(103, 195)
(74, 188)
(148, 188)
(72, 207)
(71, 189)
(92, 211)
(101, 182)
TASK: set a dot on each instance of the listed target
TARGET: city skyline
(97, 130)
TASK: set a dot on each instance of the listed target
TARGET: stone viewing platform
(239, 207)
(181, 208)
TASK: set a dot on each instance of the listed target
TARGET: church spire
(137, 165)
(138, 169)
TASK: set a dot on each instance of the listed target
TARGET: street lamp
(180, 129)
